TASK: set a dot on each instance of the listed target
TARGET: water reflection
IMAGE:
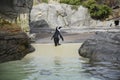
(57, 65)
(57, 61)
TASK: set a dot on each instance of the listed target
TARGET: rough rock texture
(16, 11)
(13, 8)
(104, 46)
(63, 15)
(14, 46)
(58, 14)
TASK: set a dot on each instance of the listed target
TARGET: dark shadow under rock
(39, 24)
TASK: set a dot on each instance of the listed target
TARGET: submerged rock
(14, 46)
(103, 46)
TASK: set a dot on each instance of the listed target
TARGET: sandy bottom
(64, 50)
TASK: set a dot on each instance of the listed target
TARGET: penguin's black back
(56, 34)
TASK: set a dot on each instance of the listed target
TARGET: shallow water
(51, 63)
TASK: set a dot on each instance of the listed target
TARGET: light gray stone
(64, 15)
(60, 15)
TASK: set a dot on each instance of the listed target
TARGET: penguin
(57, 35)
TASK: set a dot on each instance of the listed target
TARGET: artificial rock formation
(104, 46)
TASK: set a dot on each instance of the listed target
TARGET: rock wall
(103, 46)
(16, 11)
(14, 46)
(56, 14)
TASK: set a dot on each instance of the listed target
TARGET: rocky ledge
(14, 46)
(103, 46)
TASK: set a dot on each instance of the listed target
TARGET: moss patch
(9, 27)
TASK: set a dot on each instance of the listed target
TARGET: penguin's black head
(59, 27)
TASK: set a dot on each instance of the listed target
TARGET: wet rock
(14, 46)
(103, 46)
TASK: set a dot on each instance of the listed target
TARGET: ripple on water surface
(50, 63)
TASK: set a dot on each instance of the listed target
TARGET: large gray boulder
(14, 46)
(103, 46)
